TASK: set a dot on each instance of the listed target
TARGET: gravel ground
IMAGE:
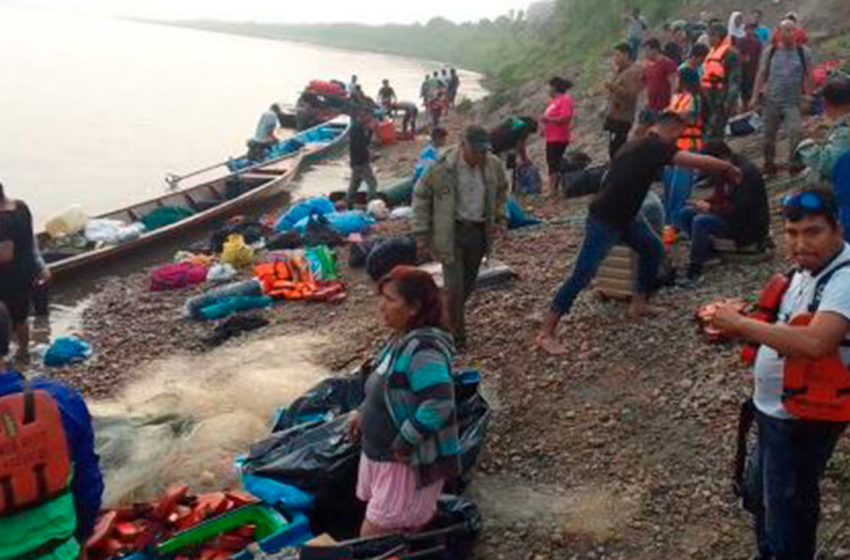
(621, 449)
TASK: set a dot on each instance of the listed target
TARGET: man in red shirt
(659, 75)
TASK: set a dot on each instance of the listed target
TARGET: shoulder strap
(802, 54)
(770, 55)
(821, 286)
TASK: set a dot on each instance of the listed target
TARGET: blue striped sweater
(419, 393)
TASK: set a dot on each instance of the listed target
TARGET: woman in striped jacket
(408, 421)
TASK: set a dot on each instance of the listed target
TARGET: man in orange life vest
(802, 384)
(721, 81)
(50, 497)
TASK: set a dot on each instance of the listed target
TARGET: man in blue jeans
(614, 217)
(740, 212)
(783, 480)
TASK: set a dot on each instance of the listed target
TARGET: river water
(96, 111)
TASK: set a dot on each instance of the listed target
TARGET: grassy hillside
(508, 49)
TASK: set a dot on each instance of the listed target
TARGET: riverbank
(601, 454)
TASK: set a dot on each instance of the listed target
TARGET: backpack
(800, 52)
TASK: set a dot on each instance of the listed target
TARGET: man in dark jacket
(738, 212)
(56, 526)
(360, 138)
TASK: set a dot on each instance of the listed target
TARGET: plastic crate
(274, 531)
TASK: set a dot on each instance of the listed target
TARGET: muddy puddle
(187, 417)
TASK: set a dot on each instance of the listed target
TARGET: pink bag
(176, 276)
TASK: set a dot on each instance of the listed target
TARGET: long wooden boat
(207, 201)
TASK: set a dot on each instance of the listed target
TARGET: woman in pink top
(556, 122)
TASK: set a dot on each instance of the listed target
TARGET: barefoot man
(614, 218)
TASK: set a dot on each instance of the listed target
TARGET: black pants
(618, 134)
(461, 276)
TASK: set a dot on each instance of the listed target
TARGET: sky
(287, 11)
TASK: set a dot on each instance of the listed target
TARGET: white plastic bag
(71, 221)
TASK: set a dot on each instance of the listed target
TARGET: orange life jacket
(816, 389)
(714, 69)
(812, 389)
(767, 310)
(691, 138)
(35, 463)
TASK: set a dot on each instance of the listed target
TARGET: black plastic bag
(310, 455)
(584, 182)
(334, 396)
(390, 254)
(318, 455)
(358, 253)
(451, 535)
(319, 231)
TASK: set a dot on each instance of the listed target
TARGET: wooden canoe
(208, 201)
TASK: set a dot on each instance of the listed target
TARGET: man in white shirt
(783, 478)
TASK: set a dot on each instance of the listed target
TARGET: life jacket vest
(35, 476)
(714, 69)
(691, 139)
(767, 310)
(817, 390)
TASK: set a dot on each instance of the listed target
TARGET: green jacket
(435, 203)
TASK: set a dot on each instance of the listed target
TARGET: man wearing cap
(784, 77)
(459, 209)
(614, 217)
(796, 435)
(822, 157)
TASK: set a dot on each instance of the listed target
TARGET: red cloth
(559, 107)
(656, 76)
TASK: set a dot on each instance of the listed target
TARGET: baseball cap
(477, 138)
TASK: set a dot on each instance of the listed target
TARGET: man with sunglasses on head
(802, 384)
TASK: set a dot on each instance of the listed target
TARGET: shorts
(392, 499)
(17, 300)
(554, 155)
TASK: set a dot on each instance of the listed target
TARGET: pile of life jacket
(292, 280)
(133, 529)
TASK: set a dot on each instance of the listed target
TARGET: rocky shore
(621, 449)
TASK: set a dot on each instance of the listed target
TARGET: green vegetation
(513, 48)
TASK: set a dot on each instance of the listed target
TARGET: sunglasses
(804, 201)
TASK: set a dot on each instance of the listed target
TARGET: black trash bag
(285, 240)
(319, 231)
(310, 456)
(451, 535)
(359, 252)
(390, 254)
(473, 418)
(576, 184)
(319, 457)
(334, 396)
(234, 326)
(252, 232)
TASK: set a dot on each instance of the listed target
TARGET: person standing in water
(21, 267)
